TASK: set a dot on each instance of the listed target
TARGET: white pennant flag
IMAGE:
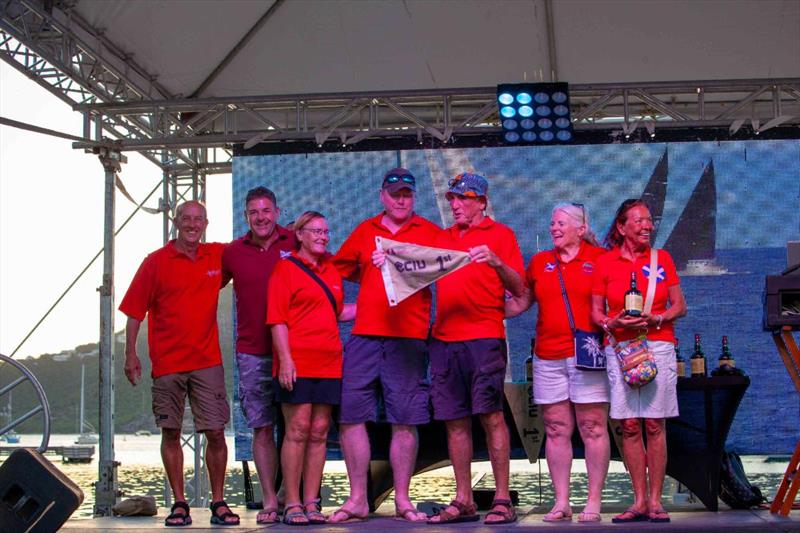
(411, 267)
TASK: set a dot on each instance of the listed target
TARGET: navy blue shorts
(467, 377)
(395, 367)
(310, 390)
(255, 389)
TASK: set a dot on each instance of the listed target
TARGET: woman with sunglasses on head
(566, 393)
(629, 255)
(304, 303)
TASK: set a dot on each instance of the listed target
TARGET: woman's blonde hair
(578, 213)
(303, 220)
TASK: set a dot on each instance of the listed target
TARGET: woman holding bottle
(626, 267)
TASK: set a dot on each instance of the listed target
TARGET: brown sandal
(509, 515)
(466, 513)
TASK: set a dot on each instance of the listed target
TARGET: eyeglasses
(318, 232)
(583, 211)
(405, 178)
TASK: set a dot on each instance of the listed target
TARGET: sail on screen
(724, 210)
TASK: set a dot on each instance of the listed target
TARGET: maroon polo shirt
(250, 266)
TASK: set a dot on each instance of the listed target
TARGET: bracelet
(605, 322)
(660, 320)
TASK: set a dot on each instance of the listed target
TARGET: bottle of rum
(698, 359)
(633, 299)
(725, 358)
(680, 360)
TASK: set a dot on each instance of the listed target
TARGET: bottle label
(681, 369)
(698, 365)
(633, 302)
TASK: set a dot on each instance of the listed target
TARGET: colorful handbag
(636, 362)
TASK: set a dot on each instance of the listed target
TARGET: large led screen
(725, 210)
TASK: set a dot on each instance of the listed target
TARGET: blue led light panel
(544, 109)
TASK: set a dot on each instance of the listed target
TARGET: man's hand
(378, 258)
(482, 254)
(133, 368)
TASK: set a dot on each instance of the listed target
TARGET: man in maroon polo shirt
(249, 261)
(177, 288)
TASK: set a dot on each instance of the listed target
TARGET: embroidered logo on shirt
(588, 267)
(214, 273)
(549, 267)
(661, 275)
(285, 254)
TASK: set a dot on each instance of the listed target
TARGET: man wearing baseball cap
(386, 353)
(468, 351)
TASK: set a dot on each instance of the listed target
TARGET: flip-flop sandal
(466, 513)
(558, 515)
(659, 516)
(509, 515)
(635, 516)
(186, 520)
(290, 519)
(401, 515)
(221, 519)
(262, 517)
(315, 516)
(351, 516)
(589, 517)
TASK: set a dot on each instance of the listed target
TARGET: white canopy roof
(322, 46)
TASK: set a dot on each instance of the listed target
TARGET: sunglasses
(405, 178)
(583, 211)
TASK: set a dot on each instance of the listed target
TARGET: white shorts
(559, 380)
(657, 399)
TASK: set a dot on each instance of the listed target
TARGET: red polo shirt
(612, 280)
(179, 297)
(470, 302)
(411, 317)
(250, 266)
(298, 301)
(553, 335)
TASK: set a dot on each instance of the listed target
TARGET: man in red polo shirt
(468, 351)
(387, 351)
(249, 261)
(177, 288)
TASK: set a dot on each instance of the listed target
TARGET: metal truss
(444, 113)
(51, 44)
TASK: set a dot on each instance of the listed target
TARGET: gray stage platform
(682, 520)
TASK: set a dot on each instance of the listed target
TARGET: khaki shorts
(207, 398)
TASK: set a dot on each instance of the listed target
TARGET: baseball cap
(466, 184)
(399, 178)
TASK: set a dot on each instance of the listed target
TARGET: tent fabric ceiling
(325, 46)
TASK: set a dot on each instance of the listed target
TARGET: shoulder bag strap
(564, 292)
(651, 281)
(321, 283)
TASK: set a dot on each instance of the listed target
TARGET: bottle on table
(680, 360)
(725, 358)
(633, 299)
(698, 359)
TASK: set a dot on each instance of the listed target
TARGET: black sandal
(186, 520)
(219, 520)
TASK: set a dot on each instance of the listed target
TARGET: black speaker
(35, 496)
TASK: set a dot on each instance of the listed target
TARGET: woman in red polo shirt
(558, 386)
(308, 360)
(629, 243)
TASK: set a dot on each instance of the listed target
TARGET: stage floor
(683, 519)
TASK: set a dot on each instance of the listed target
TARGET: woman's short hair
(614, 237)
(578, 214)
(303, 221)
